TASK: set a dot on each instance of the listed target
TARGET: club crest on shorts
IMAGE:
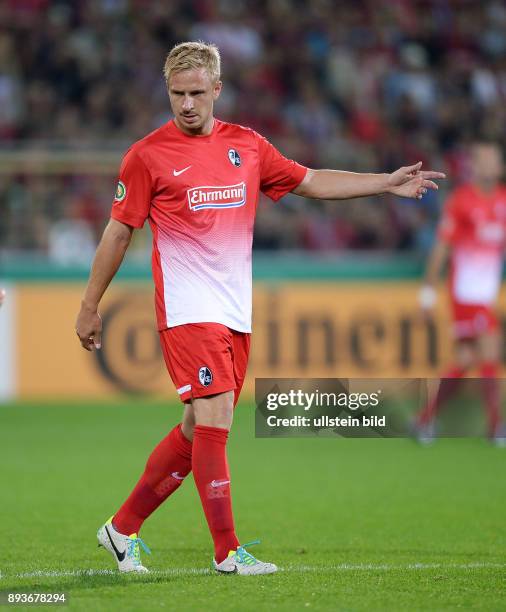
(234, 157)
(205, 376)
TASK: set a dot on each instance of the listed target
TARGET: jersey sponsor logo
(229, 196)
(205, 376)
(234, 157)
(120, 191)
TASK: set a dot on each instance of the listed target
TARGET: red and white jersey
(474, 225)
(200, 195)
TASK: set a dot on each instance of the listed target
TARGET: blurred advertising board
(300, 329)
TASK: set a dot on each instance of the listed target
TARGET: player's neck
(204, 130)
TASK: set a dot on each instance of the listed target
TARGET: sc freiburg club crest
(205, 376)
(234, 157)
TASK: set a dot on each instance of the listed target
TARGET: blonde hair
(193, 55)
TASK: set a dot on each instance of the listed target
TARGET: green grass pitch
(353, 524)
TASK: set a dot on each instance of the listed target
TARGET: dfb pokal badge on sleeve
(120, 191)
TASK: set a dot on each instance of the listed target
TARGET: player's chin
(191, 120)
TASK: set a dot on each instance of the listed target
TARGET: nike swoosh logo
(178, 172)
(121, 556)
(177, 476)
(219, 483)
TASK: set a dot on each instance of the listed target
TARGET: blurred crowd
(358, 85)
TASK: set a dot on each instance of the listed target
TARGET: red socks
(449, 383)
(212, 477)
(165, 470)
(491, 396)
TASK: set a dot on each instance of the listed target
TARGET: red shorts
(472, 320)
(205, 359)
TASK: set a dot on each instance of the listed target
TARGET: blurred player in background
(471, 234)
(197, 180)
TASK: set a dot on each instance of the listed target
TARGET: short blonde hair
(193, 55)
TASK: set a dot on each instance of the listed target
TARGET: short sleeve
(449, 224)
(132, 199)
(278, 175)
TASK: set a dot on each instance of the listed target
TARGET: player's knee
(215, 411)
(187, 427)
(188, 421)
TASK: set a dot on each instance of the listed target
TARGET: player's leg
(188, 422)
(489, 345)
(166, 468)
(170, 461)
(213, 420)
(465, 357)
(463, 360)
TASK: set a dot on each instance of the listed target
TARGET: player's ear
(217, 89)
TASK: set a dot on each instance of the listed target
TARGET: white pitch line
(387, 568)
(183, 571)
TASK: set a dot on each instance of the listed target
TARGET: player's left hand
(412, 182)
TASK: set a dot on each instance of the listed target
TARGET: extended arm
(409, 182)
(108, 258)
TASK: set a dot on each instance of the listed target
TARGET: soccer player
(197, 180)
(471, 234)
